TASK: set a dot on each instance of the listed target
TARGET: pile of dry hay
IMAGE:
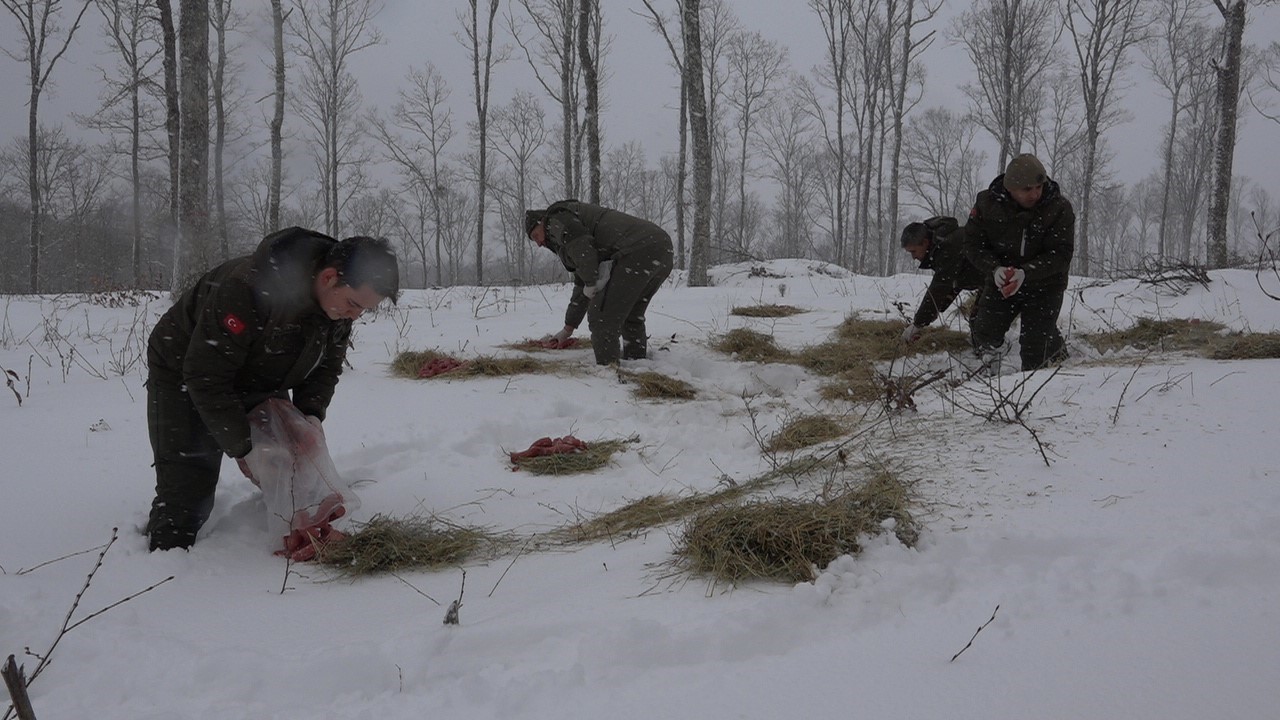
(751, 345)
(386, 545)
(408, 363)
(790, 540)
(766, 311)
(804, 431)
(656, 510)
(849, 358)
(579, 343)
(654, 385)
(1159, 335)
(1247, 346)
(597, 454)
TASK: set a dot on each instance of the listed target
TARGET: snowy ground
(1137, 575)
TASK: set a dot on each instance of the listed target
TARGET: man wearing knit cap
(1021, 234)
(618, 262)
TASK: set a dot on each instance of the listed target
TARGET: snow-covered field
(1137, 575)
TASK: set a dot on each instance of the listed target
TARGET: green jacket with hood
(251, 329)
(583, 235)
(952, 271)
(1040, 239)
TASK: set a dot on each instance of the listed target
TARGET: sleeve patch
(973, 211)
(233, 324)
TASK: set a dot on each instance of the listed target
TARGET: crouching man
(260, 326)
(618, 262)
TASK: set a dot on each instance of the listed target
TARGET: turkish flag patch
(233, 324)
(973, 211)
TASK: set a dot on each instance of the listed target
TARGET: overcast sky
(641, 92)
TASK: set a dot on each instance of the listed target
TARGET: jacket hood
(284, 266)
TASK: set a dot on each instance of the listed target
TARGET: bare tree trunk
(193, 168)
(173, 113)
(1228, 96)
(701, 144)
(683, 124)
(220, 17)
(277, 119)
(482, 61)
(591, 82)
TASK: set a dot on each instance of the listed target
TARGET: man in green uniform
(1021, 233)
(938, 245)
(618, 262)
(253, 328)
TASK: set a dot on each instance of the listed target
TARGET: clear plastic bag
(290, 462)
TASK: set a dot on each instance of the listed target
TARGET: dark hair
(363, 261)
(915, 234)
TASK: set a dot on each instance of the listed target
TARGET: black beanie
(531, 220)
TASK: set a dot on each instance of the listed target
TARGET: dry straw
(1248, 346)
(791, 540)
(805, 431)
(766, 311)
(596, 455)
(751, 346)
(1159, 335)
(656, 386)
(408, 363)
(386, 544)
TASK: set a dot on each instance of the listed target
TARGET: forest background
(157, 140)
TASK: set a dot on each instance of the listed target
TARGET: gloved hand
(559, 338)
(602, 278)
(1009, 280)
(911, 333)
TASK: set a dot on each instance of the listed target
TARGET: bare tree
(227, 97)
(785, 138)
(192, 252)
(43, 42)
(275, 175)
(479, 41)
(836, 17)
(520, 133)
(125, 112)
(1009, 43)
(755, 66)
(1175, 56)
(552, 45)
(326, 34)
(421, 127)
(680, 169)
(909, 75)
(589, 22)
(1102, 32)
(1227, 69)
(942, 167)
(173, 111)
(699, 127)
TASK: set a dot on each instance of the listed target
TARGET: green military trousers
(1040, 343)
(617, 311)
(187, 461)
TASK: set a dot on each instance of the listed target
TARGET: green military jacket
(251, 329)
(583, 235)
(1040, 240)
(952, 271)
